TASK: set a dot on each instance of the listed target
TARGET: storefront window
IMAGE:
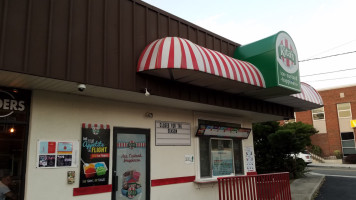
(220, 156)
(344, 110)
(14, 117)
(318, 114)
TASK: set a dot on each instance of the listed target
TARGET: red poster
(51, 147)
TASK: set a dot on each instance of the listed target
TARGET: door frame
(127, 130)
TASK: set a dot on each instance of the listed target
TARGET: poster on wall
(250, 159)
(95, 155)
(131, 167)
(53, 154)
(222, 162)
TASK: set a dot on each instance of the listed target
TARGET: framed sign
(94, 167)
(172, 134)
(53, 154)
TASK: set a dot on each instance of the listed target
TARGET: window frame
(349, 109)
(312, 112)
(342, 146)
(211, 158)
(240, 152)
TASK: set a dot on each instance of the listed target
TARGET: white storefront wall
(58, 116)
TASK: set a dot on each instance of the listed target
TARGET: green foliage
(274, 144)
(338, 154)
(315, 149)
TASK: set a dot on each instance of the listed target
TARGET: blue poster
(131, 166)
(222, 162)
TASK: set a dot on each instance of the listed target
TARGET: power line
(330, 79)
(342, 70)
(346, 43)
(327, 56)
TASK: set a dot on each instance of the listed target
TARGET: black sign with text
(95, 155)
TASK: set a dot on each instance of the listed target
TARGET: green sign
(277, 59)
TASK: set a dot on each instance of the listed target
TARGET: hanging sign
(353, 123)
(277, 58)
(95, 155)
(220, 131)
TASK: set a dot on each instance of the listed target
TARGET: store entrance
(12, 143)
(131, 167)
(14, 118)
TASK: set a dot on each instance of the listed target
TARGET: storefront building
(121, 100)
(334, 121)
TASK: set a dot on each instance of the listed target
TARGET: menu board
(53, 154)
(222, 162)
(95, 155)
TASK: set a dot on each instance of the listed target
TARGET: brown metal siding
(99, 42)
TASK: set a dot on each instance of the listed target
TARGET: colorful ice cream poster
(131, 167)
(95, 155)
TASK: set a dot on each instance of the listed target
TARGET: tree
(274, 144)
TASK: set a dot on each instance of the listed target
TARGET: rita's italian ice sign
(277, 59)
(287, 58)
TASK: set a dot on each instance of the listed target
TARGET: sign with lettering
(10, 104)
(131, 166)
(220, 131)
(250, 159)
(222, 162)
(54, 154)
(277, 58)
(287, 59)
(172, 133)
(95, 156)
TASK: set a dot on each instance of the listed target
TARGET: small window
(344, 110)
(318, 114)
(347, 136)
(220, 156)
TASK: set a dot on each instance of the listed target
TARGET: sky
(319, 28)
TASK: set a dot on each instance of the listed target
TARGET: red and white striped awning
(307, 99)
(181, 60)
(308, 93)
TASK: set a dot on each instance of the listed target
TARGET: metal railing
(264, 186)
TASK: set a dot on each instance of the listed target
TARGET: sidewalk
(307, 188)
(332, 165)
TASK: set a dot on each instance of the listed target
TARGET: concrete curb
(349, 166)
(306, 188)
(317, 188)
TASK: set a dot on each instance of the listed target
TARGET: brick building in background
(333, 121)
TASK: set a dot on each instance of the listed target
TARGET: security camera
(147, 93)
(81, 87)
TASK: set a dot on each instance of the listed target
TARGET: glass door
(131, 164)
(14, 125)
